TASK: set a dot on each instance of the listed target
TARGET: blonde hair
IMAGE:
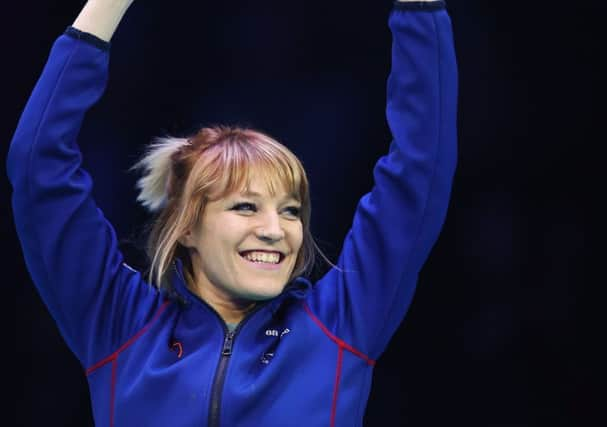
(180, 175)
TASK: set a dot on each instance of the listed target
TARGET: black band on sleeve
(420, 5)
(87, 37)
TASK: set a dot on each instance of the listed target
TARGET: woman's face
(245, 245)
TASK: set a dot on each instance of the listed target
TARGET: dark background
(502, 329)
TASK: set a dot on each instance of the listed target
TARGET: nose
(270, 229)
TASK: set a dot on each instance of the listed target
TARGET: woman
(231, 333)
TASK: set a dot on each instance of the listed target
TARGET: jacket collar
(178, 291)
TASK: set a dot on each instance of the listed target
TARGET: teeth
(270, 258)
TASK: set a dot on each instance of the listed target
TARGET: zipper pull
(227, 344)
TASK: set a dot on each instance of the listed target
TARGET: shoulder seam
(128, 343)
(340, 343)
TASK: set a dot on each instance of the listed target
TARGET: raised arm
(101, 17)
(70, 249)
(398, 222)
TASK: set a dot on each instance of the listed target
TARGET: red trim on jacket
(340, 358)
(114, 358)
(124, 346)
(338, 341)
(341, 346)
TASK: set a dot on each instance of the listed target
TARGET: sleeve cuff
(420, 5)
(88, 38)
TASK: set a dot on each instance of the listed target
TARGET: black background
(502, 329)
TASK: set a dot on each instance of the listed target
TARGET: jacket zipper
(226, 352)
(220, 377)
(222, 367)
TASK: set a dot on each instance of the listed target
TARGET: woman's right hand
(101, 17)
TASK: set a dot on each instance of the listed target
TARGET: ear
(187, 239)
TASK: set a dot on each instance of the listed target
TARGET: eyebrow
(256, 195)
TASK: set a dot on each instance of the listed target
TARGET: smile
(264, 259)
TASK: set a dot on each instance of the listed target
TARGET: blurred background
(501, 331)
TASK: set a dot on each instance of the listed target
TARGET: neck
(229, 308)
(231, 312)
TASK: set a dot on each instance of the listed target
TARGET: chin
(263, 294)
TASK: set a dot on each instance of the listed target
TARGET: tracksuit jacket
(165, 358)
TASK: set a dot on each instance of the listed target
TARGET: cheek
(220, 239)
(297, 237)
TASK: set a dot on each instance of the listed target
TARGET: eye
(244, 207)
(293, 211)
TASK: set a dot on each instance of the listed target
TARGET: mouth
(263, 257)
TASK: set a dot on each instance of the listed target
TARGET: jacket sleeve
(396, 225)
(69, 247)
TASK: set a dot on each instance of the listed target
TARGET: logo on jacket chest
(278, 335)
(275, 333)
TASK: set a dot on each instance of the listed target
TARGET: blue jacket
(304, 358)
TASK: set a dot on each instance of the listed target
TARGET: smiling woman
(213, 335)
(209, 218)
(242, 252)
